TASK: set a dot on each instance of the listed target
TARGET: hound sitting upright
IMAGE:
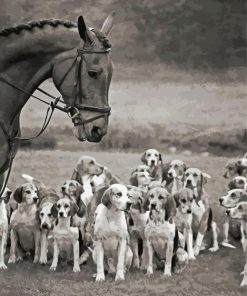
(141, 176)
(240, 212)
(175, 174)
(66, 237)
(153, 159)
(111, 233)
(4, 199)
(24, 222)
(195, 180)
(160, 231)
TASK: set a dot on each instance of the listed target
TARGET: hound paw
(119, 276)
(76, 269)
(136, 264)
(100, 277)
(227, 245)
(149, 271)
(3, 266)
(19, 258)
(35, 260)
(43, 261)
(243, 283)
(53, 268)
(196, 251)
(242, 272)
(213, 249)
(11, 260)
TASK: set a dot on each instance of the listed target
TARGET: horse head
(83, 76)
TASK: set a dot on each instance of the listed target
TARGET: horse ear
(84, 33)
(18, 194)
(73, 209)
(54, 210)
(106, 198)
(108, 24)
(143, 158)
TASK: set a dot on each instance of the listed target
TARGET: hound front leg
(169, 252)
(150, 258)
(121, 260)
(76, 267)
(201, 232)
(37, 242)
(189, 241)
(215, 238)
(244, 281)
(144, 257)
(2, 251)
(13, 240)
(55, 256)
(225, 241)
(134, 247)
(99, 261)
(43, 247)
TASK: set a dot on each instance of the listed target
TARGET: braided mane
(36, 24)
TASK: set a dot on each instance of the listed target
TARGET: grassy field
(211, 274)
(200, 116)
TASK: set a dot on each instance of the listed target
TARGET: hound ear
(206, 177)
(146, 205)
(133, 179)
(243, 196)
(7, 195)
(160, 157)
(18, 194)
(176, 198)
(73, 209)
(84, 33)
(231, 185)
(106, 198)
(79, 191)
(143, 158)
(185, 167)
(81, 209)
(108, 24)
(170, 208)
(76, 176)
(54, 211)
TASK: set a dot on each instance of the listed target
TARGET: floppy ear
(7, 195)
(54, 211)
(84, 33)
(106, 198)
(176, 198)
(108, 24)
(133, 179)
(76, 176)
(143, 158)
(146, 205)
(231, 185)
(18, 194)
(185, 167)
(206, 177)
(170, 208)
(79, 191)
(160, 157)
(82, 209)
(243, 196)
(73, 209)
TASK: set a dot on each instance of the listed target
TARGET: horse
(76, 57)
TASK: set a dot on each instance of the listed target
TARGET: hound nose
(228, 212)
(44, 226)
(35, 199)
(188, 211)
(61, 214)
(153, 205)
(221, 200)
(169, 174)
(152, 162)
(63, 188)
(188, 183)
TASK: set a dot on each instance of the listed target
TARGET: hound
(238, 182)
(195, 180)
(230, 200)
(104, 179)
(240, 212)
(111, 234)
(24, 222)
(153, 159)
(141, 176)
(175, 174)
(160, 231)
(4, 199)
(236, 168)
(66, 237)
(184, 200)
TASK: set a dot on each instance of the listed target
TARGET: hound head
(184, 199)
(45, 216)
(73, 190)
(116, 197)
(64, 208)
(27, 193)
(195, 178)
(6, 195)
(231, 169)
(151, 158)
(233, 197)
(140, 176)
(160, 204)
(136, 197)
(238, 212)
(238, 182)
(176, 169)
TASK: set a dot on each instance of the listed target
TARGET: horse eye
(142, 171)
(28, 191)
(93, 74)
(91, 162)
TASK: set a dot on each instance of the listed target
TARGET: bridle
(72, 110)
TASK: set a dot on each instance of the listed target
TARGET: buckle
(73, 112)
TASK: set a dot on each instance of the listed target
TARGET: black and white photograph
(123, 147)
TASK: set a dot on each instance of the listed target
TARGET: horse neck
(26, 61)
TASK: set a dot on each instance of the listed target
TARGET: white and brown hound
(141, 176)
(153, 159)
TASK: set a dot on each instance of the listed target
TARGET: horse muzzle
(92, 133)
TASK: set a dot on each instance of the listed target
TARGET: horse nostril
(97, 131)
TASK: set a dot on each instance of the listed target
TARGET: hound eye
(187, 175)
(49, 215)
(156, 155)
(91, 162)
(175, 166)
(58, 206)
(161, 197)
(41, 214)
(149, 155)
(183, 200)
(119, 194)
(152, 196)
(93, 74)
(195, 175)
(28, 191)
(66, 206)
(233, 195)
(240, 207)
(142, 171)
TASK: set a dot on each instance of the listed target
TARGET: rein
(72, 110)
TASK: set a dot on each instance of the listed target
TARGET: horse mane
(36, 24)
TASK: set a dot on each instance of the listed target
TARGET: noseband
(73, 110)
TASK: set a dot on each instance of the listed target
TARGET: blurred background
(179, 78)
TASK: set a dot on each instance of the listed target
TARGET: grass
(198, 116)
(211, 274)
